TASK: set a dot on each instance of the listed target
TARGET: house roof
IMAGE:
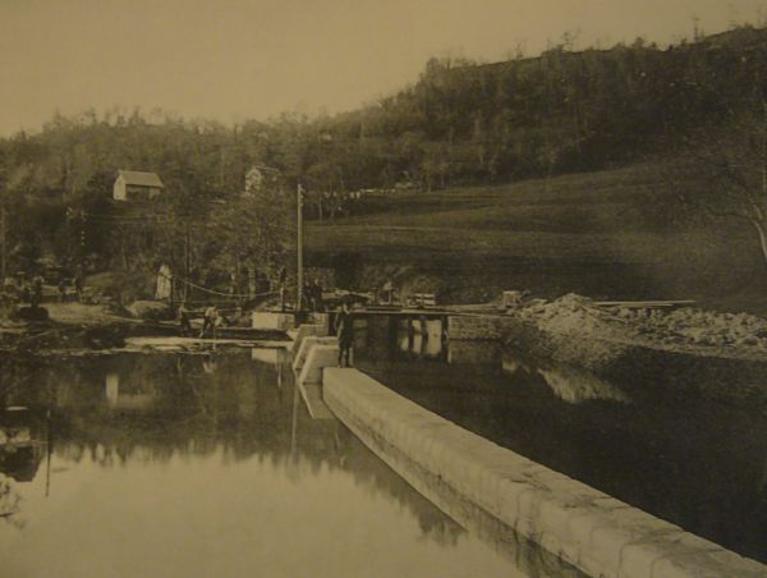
(141, 179)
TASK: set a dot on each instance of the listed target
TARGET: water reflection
(23, 439)
(575, 385)
(642, 433)
(404, 337)
(569, 383)
(161, 467)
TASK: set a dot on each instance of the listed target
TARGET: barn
(136, 186)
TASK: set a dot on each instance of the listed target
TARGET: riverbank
(578, 325)
(76, 327)
(573, 328)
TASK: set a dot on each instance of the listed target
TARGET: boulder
(149, 309)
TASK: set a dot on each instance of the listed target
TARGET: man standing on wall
(344, 330)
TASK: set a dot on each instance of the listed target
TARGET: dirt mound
(571, 314)
(707, 328)
(686, 329)
(152, 310)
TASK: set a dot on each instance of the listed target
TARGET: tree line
(459, 123)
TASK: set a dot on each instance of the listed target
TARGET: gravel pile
(680, 329)
(572, 314)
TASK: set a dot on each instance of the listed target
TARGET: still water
(164, 465)
(683, 438)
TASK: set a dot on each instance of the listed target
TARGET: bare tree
(722, 173)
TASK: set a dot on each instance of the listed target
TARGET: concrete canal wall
(272, 321)
(594, 532)
(474, 327)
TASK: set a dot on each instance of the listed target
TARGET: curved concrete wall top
(587, 528)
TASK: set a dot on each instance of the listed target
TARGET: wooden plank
(645, 304)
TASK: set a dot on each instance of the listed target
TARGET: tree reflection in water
(116, 410)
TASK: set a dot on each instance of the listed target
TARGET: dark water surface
(655, 432)
(167, 465)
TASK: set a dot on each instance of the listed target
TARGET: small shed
(137, 186)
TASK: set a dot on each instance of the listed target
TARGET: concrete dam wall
(594, 532)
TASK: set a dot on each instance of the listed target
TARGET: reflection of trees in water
(380, 479)
(10, 502)
(23, 443)
(569, 383)
(691, 453)
(237, 412)
(576, 385)
(15, 378)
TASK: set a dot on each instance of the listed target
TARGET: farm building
(259, 178)
(136, 186)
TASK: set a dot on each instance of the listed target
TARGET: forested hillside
(460, 123)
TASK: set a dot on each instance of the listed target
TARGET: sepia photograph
(383, 289)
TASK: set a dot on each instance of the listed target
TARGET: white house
(136, 186)
(259, 178)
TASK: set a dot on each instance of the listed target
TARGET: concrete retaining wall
(319, 357)
(319, 354)
(305, 346)
(596, 533)
(306, 330)
(272, 321)
(322, 319)
(272, 356)
(474, 327)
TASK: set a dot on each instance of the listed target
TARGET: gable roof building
(136, 186)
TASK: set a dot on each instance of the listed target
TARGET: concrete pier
(308, 330)
(272, 321)
(474, 327)
(307, 343)
(314, 354)
(594, 532)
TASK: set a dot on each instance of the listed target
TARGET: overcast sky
(236, 59)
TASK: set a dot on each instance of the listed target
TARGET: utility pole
(2, 240)
(300, 247)
(187, 260)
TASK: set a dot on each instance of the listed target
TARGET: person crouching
(211, 321)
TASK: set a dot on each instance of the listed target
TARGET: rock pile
(571, 314)
(678, 330)
(707, 328)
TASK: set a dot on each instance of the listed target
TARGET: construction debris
(682, 329)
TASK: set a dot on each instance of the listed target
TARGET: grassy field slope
(595, 233)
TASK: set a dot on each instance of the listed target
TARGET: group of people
(24, 290)
(343, 326)
(63, 287)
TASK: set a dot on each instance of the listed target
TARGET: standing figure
(307, 298)
(283, 277)
(319, 306)
(185, 325)
(388, 292)
(344, 330)
(37, 291)
(78, 281)
(25, 289)
(62, 287)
